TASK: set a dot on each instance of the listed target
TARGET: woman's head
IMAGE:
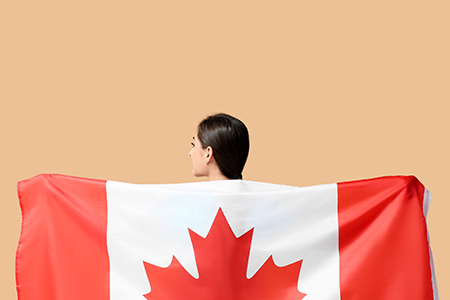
(224, 141)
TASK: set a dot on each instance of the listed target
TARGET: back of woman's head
(228, 137)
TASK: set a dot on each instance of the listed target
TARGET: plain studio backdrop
(330, 91)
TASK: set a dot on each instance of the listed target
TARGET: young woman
(220, 148)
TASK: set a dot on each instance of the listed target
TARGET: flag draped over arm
(231, 240)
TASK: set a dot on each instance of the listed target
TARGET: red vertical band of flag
(382, 235)
(56, 262)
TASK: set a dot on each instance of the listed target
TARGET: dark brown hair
(228, 137)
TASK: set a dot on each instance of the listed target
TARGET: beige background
(330, 91)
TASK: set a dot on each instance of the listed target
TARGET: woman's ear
(209, 154)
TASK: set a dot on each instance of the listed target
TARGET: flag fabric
(223, 240)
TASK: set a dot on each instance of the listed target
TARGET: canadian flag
(223, 240)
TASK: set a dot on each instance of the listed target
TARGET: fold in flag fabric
(223, 240)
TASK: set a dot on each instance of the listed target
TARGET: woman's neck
(216, 175)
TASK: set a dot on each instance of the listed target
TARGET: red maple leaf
(222, 265)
